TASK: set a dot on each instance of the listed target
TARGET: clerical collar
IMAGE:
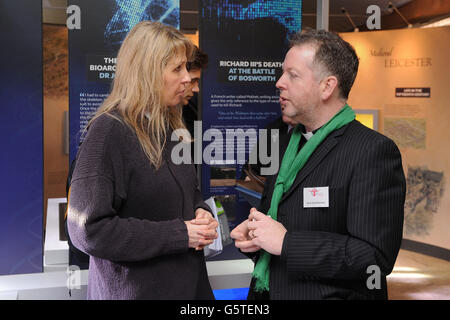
(290, 127)
(307, 135)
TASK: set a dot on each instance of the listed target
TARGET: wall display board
(93, 45)
(21, 137)
(246, 42)
(404, 74)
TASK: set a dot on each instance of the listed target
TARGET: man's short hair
(198, 60)
(333, 54)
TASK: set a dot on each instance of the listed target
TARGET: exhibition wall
(403, 74)
(21, 130)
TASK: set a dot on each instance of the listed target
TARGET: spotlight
(355, 28)
(392, 7)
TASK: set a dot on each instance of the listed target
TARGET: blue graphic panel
(287, 13)
(21, 138)
(129, 13)
(253, 36)
(104, 25)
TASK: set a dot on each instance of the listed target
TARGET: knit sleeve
(198, 199)
(98, 191)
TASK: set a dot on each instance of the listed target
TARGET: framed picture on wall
(367, 117)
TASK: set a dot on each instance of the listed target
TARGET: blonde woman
(139, 216)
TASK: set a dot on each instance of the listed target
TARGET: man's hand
(242, 239)
(265, 232)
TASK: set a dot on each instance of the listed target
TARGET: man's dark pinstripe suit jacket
(326, 251)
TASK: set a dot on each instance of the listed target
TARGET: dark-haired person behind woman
(139, 216)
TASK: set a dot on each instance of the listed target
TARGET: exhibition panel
(21, 138)
(246, 43)
(93, 46)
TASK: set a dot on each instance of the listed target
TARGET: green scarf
(292, 163)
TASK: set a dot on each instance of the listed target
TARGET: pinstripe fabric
(326, 251)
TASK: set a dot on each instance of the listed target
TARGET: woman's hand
(201, 213)
(199, 235)
(202, 229)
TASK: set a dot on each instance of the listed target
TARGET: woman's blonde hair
(137, 87)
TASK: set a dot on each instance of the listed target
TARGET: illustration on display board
(407, 133)
(128, 13)
(424, 190)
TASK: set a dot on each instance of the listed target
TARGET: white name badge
(315, 197)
